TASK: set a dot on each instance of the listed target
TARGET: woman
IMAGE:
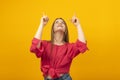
(56, 55)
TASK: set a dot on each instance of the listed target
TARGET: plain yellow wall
(100, 20)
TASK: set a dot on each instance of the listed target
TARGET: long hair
(66, 35)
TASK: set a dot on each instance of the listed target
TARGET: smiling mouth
(59, 26)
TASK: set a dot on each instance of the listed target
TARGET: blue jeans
(64, 77)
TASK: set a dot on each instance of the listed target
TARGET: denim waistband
(63, 77)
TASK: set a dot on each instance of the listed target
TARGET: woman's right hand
(44, 20)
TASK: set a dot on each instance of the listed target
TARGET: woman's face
(59, 25)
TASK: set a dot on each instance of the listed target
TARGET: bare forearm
(76, 22)
(38, 34)
(44, 20)
(81, 36)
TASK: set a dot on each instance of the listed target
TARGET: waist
(63, 76)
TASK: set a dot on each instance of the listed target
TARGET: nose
(60, 23)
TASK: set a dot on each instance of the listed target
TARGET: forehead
(59, 20)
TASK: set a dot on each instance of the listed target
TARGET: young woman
(57, 54)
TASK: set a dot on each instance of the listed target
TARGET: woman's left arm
(80, 46)
(76, 22)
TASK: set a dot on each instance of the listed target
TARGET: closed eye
(56, 22)
(63, 22)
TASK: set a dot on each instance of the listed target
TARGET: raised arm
(76, 22)
(44, 20)
(36, 42)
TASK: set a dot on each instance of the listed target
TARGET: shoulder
(42, 41)
(46, 42)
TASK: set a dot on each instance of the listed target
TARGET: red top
(59, 61)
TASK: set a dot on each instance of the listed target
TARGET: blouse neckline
(60, 45)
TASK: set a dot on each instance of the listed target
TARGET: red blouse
(59, 60)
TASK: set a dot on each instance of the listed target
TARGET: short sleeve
(38, 50)
(78, 47)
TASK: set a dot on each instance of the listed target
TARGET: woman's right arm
(44, 20)
(36, 46)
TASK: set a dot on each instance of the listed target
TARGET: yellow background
(100, 20)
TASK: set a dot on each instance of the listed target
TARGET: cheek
(64, 28)
(54, 28)
(55, 25)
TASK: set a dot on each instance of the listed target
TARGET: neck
(58, 38)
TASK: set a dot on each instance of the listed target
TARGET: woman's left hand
(75, 21)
